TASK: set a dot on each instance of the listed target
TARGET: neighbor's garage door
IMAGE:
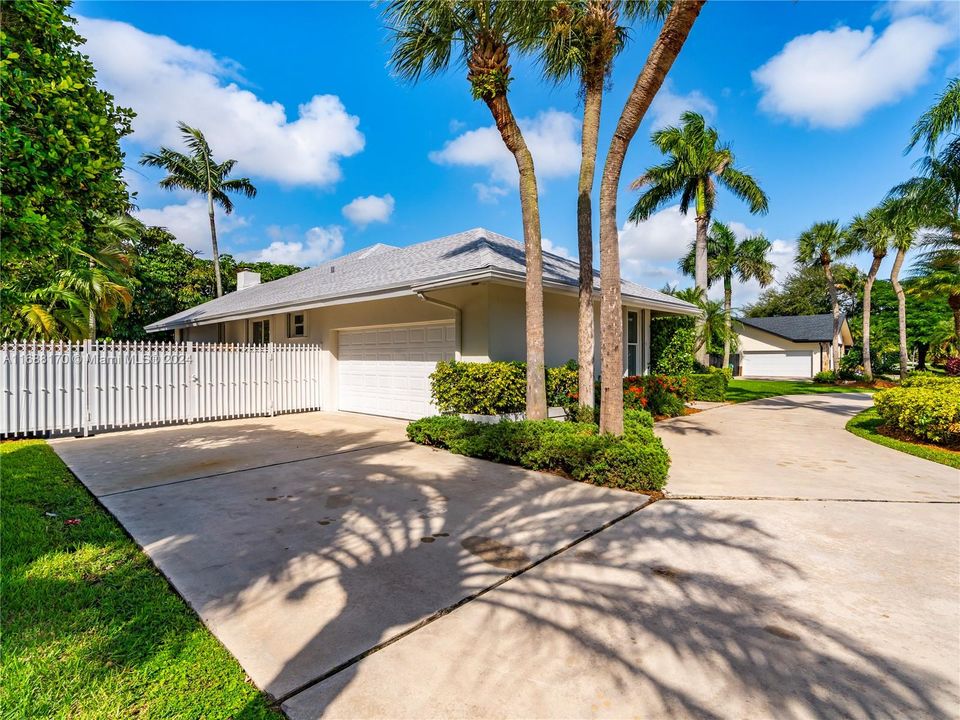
(386, 371)
(778, 364)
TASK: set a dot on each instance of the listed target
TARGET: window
(633, 343)
(221, 332)
(260, 331)
(296, 325)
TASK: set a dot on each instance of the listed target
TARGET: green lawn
(743, 390)
(90, 628)
(865, 425)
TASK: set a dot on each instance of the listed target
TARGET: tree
(709, 334)
(926, 319)
(697, 162)
(581, 40)
(871, 233)
(941, 118)
(665, 50)
(804, 292)
(905, 223)
(199, 173)
(747, 259)
(821, 244)
(936, 275)
(426, 35)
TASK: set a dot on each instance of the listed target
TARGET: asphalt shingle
(799, 328)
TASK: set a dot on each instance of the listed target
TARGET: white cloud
(489, 193)
(832, 78)
(552, 136)
(318, 244)
(165, 81)
(551, 247)
(668, 106)
(362, 211)
(189, 222)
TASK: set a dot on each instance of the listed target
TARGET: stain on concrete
(427, 539)
(439, 535)
(338, 500)
(495, 553)
(588, 555)
(670, 573)
(782, 633)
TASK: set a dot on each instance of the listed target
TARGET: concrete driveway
(800, 589)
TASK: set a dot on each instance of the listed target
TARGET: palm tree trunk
(835, 307)
(867, 291)
(701, 280)
(530, 210)
(592, 103)
(213, 243)
(901, 311)
(727, 317)
(91, 310)
(669, 42)
(954, 302)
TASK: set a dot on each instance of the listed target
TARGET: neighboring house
(788, 346)
(385, 315)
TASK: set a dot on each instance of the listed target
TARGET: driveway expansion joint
(810, 499)
(277, 701)
(255, 467)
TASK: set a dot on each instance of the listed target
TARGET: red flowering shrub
(952, 366)
(660, 394)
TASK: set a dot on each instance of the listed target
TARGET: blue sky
(816, 98)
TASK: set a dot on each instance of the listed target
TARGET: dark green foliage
(661, 395)
(804, 292)
(825, 377)
(710, 387)
(636, 461)
(497, 388)
(671, 345)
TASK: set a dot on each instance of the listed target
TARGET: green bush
(497, 388)
(660, 394)
(825, 377)
(711, 387)
(671, 345)
(929, 410)
(926, 379)
(636, 461)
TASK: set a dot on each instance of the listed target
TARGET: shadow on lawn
(334, 556)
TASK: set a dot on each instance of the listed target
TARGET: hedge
(496, 388)
(927, 409)
(711, 386)
(671, 345)
(635, 461)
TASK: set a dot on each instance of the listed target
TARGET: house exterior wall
(754, 339)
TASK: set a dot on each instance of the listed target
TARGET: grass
(90, 628)
(867, 425)
(743, 390)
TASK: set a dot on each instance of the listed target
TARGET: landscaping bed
(924, 407)
(869, 425)
(90, 628)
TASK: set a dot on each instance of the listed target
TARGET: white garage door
(797, 363)
(386, 371)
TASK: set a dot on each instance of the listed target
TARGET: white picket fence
(79, 388)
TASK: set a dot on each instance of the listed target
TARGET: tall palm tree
(581, 40)
(427, 35)
(905, 221)
(871, 233)
(747, 259)
(712, 331)
(199, 173)
(941, 118)
(697, 162)
(673, 34)
(821, 244)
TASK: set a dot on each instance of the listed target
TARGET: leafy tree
(746, 258)
(664, 52)
(804, 292)
(696, 163)
(925, 318)
(581, 40)
(482, 33)
(821, 244)
(199, 173)
(936, 275)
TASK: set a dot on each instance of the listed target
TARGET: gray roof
(380, 269)
(799, 328)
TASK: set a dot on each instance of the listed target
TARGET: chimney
(247, 279)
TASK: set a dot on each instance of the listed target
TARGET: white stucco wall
(756, 340)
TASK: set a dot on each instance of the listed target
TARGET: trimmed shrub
(825, 377)
(671, 345)
(497, 388)
(711, 387)
(636, 461)
(925, 379)
(659, 394)
(927, 410)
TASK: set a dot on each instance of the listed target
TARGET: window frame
(292, 325)
(633, 346)
(264, 327)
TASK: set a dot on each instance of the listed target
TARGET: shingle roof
(385, 268)
(799, 328)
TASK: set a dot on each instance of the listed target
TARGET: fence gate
(79, 388)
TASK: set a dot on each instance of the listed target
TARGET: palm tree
(936, 274)
(199, 173)
(711, 332)
(941, 118)
(821, 244)
(871, 233)
(697, 162)
(905, 222)
(747, 259)
(581, 40)
(426, 35)
(665, 50)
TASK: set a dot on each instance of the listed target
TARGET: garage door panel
(386, 372)
(794, 363)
